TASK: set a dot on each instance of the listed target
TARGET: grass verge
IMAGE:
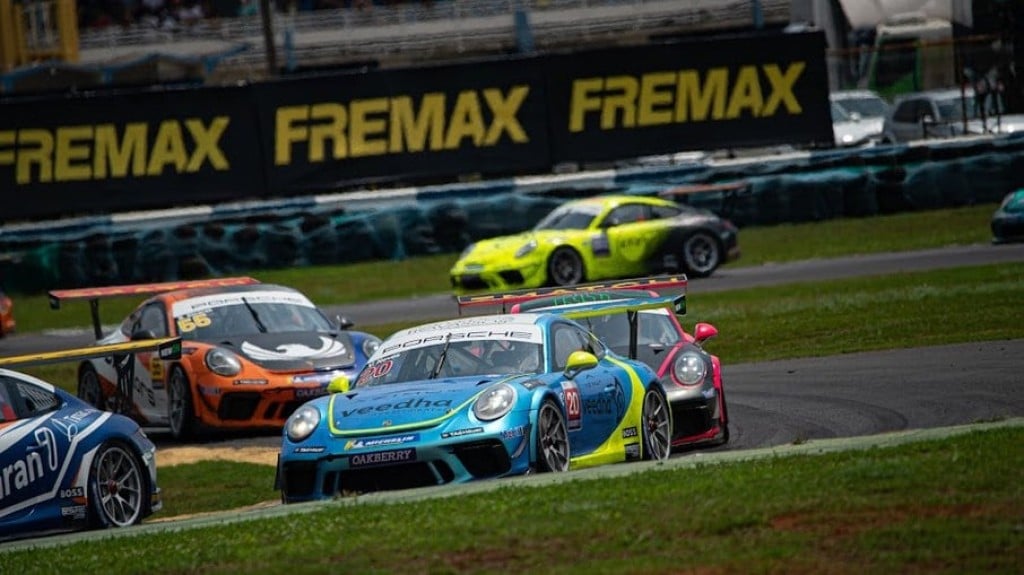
(940, 506)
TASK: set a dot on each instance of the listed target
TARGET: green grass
(946, 506)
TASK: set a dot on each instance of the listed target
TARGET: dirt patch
(179, 455)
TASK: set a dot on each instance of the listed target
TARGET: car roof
(940, 93)
(844, 94)
(616, 199)
(183, 294)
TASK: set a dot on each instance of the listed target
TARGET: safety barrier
(400, 223)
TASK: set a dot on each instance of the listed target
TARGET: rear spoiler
(166, 348)
(122, 356)
(584, 293)
(98, 293)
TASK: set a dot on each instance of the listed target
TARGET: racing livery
(65, 465)
(599, 238)
(252, 353)
(635, 319)
(475, 398)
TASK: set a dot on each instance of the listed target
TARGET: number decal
(156, 368)
(189, 323)
(573, 404)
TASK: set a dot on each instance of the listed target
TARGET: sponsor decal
(250, 381)
(72, 492)
(107, 151)
(308, 392)
(74, 512)
(517, 431)
(321, 378)
(330, 131)
(381, 441)
(68, 425)
(205, 303)
(418, 403)
(38, 460)
(440, 337)
(461, 432)
(310, 449)
(328, 348)
(633, 451)
(601, 405)
(381, 457)
(599, 245)
(629, 432)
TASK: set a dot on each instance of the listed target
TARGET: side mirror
(703, 332)
(143, 334)
(340, 384)
(343, 322)
(578, 362)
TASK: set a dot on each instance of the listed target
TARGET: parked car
(858, 117)
(946, 113)
(475, 398)
(65, 465)
(253, 353)
(639, 319)
(7, 323)
(1008, 220)
(603, 237)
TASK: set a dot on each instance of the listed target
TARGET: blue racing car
(65, 465)
(475, 398)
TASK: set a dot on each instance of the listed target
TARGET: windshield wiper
(441, 358)
(255, 316)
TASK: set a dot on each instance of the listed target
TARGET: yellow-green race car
(599, 238)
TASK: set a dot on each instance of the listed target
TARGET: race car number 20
(573, 404)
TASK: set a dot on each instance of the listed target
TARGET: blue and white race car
(65, 465)
(475, 398)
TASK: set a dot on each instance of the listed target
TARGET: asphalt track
(823, 403)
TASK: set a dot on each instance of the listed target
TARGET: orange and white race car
(251, 354)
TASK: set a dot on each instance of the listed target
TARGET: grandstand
(216, 50)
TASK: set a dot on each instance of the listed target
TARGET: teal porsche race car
(604, 237)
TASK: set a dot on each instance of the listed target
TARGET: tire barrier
(445, 219)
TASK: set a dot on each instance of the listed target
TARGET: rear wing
(167, 348)
(122, 356)
(98, 293)
(638, 291)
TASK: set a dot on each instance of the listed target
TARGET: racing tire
(656, 426)
(702, 254)
(118, 487)
(565, 267)
(181, 414)
(552, 439)
(89, 388)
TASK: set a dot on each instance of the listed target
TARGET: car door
(148, 386)
(631, 239)
(592, 397)
(906, 124)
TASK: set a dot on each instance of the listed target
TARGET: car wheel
(89, 389)
(118, 489)
(702, 254)
(180, 411)
(552, 439)
(656, 426)
(565, 267)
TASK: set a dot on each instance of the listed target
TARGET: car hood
(293, 351)
(418, 404)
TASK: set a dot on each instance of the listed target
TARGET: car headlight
(495, 402)
(302, 423)
(223, 362)
(370, 345)
(526, 248)
(689, 368)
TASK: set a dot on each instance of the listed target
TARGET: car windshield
(569, 217)
(653, 327)
(1014, 204)
(453, 359)
(247, 314)
(951, 109)
(839, 114)
(866, 106)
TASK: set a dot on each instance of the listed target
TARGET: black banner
(701, 95)
(157, 149)
(60, 157)
(485, 117)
